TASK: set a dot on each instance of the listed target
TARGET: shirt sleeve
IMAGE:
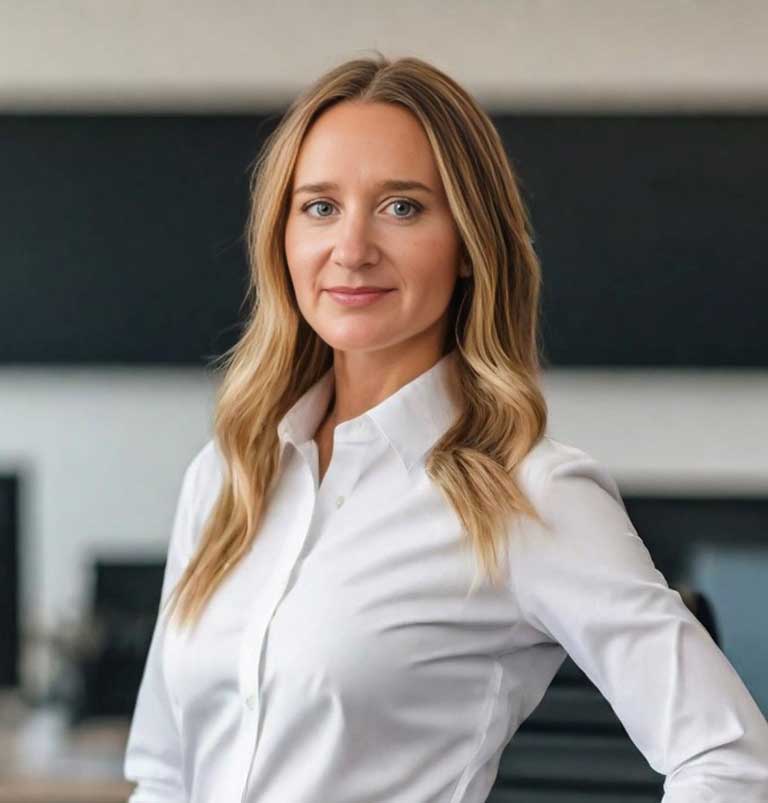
(588, 582)
(153, 757)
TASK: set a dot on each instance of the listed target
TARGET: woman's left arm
(590, 584)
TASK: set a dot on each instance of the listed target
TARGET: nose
(354, 241)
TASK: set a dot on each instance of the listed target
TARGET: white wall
(200, 53)
(102, 451)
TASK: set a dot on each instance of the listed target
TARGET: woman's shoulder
(581, 508)
(207, 462)
(551, 461)
(547, 455)
(204, 474)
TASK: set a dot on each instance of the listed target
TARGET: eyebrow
(392, 184)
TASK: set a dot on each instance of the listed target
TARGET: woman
(380, 560)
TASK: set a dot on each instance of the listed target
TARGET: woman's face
(354, 230)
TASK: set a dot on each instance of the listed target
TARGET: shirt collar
(412, 419)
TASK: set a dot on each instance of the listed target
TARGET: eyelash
(416, 206)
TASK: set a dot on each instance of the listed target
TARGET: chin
(359, 341)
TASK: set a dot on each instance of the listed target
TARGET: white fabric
(344, 660)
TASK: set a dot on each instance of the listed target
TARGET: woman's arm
(153, 757)
(591, 585)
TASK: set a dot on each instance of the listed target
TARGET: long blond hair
(493, 326)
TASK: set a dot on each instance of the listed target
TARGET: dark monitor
(9, 581)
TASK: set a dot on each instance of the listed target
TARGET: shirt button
(250, 701)
(339, 501)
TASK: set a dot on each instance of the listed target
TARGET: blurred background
(127, 134)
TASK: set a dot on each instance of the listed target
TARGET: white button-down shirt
(344, 661)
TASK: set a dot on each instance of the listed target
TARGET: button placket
(346, 467)
(266, 604)
(252, 649)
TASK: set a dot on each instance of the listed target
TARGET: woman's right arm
(153, 758)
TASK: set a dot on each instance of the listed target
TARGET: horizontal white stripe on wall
(666, 431)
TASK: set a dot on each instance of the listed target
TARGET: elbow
(736, 769)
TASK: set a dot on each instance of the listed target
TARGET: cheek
(431, 270)
(426, 297)
(301, 263)
(299, 247)
(293, 259)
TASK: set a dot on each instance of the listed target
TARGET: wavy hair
(493, 325)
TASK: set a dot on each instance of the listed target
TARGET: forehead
(366, 141)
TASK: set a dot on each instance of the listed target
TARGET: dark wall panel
(652, 234)
(121, 236)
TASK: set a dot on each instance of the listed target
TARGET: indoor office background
(127, 132)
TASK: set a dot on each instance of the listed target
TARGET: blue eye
(314, 203)
(416, 207)
(407, 203)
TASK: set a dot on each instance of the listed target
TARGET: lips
(358, 290)
(358, 297)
